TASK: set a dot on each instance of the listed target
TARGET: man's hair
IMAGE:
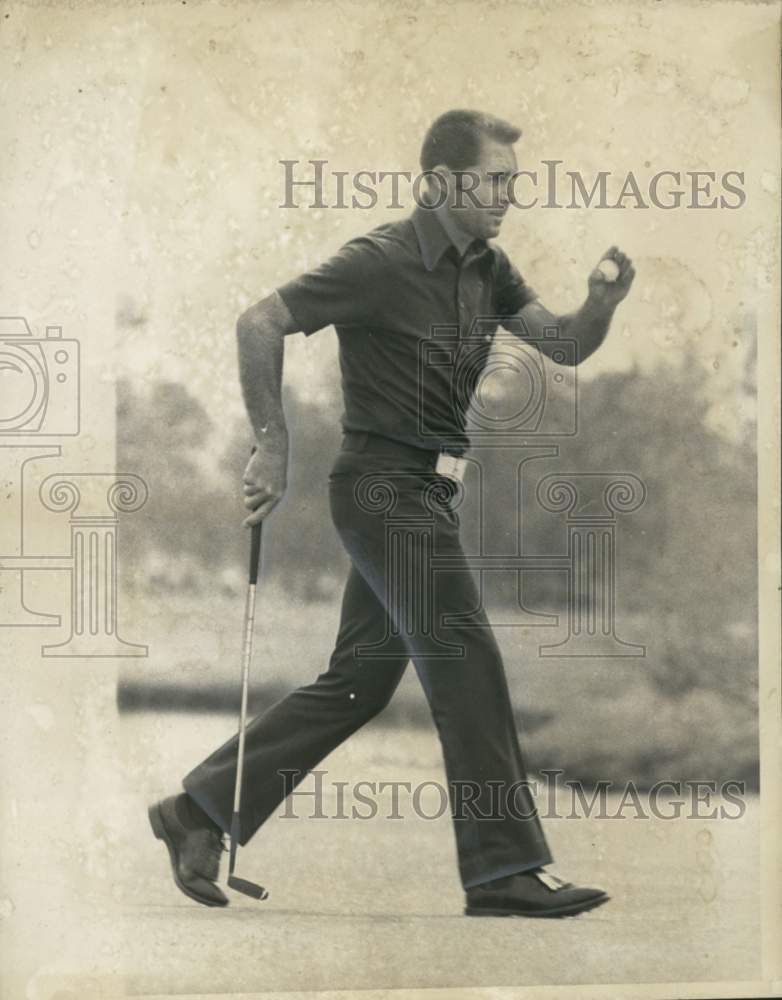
(455, 138)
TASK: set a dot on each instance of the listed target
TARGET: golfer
(384, 292)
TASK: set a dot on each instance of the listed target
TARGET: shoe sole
(160, 832)
(571, 910)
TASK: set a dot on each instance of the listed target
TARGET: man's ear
(440, 183)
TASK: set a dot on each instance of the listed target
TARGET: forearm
(587, 326)
(261, 335)
(260, 375)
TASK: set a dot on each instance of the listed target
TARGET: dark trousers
(394, 516)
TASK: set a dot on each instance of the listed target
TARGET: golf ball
(609, 269)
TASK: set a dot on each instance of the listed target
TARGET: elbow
(251, 323)
(259, 318)
(580, 355)
(245, 325)
(568, 358)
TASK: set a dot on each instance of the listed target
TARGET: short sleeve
(511, 292)
(342, 291)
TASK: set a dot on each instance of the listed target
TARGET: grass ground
(359, 905)
(88, 908)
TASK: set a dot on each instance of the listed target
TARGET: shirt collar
(433, 239)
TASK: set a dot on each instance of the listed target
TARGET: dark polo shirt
(404, 305)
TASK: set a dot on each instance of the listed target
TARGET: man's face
(479, 198)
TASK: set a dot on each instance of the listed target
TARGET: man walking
(383, 293)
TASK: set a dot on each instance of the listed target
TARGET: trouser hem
(488, 874)
(210, 810)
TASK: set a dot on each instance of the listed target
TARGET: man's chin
(492, 229)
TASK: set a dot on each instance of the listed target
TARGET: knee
(366, 702)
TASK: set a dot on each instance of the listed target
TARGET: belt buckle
(451, 466)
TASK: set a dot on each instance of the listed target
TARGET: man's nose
(500, 194)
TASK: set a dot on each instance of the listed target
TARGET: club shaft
(249, 620)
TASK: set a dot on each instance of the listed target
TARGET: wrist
(597, 307)
(271, 432)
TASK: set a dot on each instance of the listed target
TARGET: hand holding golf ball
(611, 279)
(609, 269)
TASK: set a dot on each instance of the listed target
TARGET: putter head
(234, 882)
(247, 888)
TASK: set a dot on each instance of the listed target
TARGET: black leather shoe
(194, 852)
(531, 894)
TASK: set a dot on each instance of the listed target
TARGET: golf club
(234, 881)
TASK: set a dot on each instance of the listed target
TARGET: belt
(439, 460)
